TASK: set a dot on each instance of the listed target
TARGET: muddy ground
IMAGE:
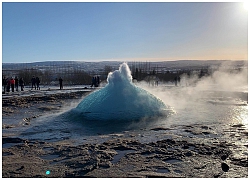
(196, 153)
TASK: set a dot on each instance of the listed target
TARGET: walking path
(46, 90)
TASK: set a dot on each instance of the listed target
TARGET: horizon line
(127, 60)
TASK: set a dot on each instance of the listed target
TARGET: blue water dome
(120, 99)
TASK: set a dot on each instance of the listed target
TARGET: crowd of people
(95, 81)
(11, 84)
(35, 82)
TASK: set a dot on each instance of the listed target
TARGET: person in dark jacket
(8, 85)
(21, 83)
(33, 82)
(93, 81)
(16, 83)
(60, 82)
(4, 84)
(37, 83)
(97, 81)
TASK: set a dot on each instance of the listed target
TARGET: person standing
(16, 83)
(179, 80)
(12, 84)
(21, 83)
(60, 83)
(4, 84)
(97, 81)
(37, 83)
(33, 82)
(93, 81)
(8, 85)
(176, 80)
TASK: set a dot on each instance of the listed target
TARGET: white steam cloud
(193, 89)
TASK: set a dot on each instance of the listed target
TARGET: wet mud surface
(196, 150)
(28, 107)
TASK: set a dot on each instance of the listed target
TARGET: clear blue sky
(123, 31)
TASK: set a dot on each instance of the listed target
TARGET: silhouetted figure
(37, 83)
(60, 83)
(97, 81)
(175, 80)
(33, 82)
(8, 85)
(12, 83)
(179, 79)
(156, 82)
(16, 83)
(21, 83)
(4, 84)
(93, 81)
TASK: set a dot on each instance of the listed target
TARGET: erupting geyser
(120, 99)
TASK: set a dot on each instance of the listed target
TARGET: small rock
(22, 167)
(224, 167)
(237, 125)
(185, 147)
(217, 175)
(170, 141)
(159, 128)
(223, 157)
(188, 153)
(7, 126)
(204, 127)
(205, 133)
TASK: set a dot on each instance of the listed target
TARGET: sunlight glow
(246, 5)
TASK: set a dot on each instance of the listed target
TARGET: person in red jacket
(12, 84)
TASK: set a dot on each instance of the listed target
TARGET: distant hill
(99, 66)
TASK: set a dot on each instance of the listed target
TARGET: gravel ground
(198, 151)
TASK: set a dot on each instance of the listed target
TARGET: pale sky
(94, 31)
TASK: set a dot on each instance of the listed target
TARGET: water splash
(120, 99)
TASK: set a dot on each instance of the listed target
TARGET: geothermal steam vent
(120, 99)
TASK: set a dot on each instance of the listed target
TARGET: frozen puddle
(162, 170)
(49, 157)
(120, 155)
(172, 160)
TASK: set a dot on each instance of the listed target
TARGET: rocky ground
(196, 152)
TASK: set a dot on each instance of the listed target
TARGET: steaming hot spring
(120, 99)
(121, 105)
